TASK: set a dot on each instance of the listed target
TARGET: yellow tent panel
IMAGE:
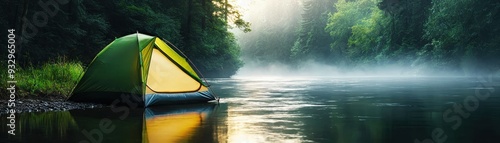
(165, 76)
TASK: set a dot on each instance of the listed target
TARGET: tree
(313, 42)
(464, 35)
(80, 29)
(340, 26)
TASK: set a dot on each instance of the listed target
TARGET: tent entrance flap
(166, 77)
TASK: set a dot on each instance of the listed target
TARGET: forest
(427, 37)
(431, 36)
(76, 30)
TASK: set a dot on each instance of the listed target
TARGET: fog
(270, 18)
(267, 14)
(311, 68)
(266, 50)
(274, 25)
(280, 19)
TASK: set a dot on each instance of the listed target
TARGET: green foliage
(365, 39)
(464, 33)
(312, 41)
(434, 36)
(350, 17)
(206, 39)
(80, 29)
(57, 78)
(219, 58)
(457, 35)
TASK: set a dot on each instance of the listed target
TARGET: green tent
(142, 69)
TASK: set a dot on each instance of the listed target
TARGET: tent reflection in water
(174, 124)
(143, 69)
(159, 124)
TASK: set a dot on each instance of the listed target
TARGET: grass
(51, 79)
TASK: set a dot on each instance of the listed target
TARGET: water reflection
(361, 110)
(181, 123)
(174, 124)
(282, 110)
(108, 125)
(33, 127)
(264, 110)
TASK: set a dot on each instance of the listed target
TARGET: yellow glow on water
(249, 129)
(258, 119)
(172, 128)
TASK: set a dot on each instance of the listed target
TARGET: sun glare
(241, 5)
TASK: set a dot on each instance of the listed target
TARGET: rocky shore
(44, 105)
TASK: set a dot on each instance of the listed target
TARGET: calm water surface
(313, 109)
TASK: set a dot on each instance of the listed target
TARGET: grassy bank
(55, 79)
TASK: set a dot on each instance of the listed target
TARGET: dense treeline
(313, 41)
(428, 36)
(77, 30)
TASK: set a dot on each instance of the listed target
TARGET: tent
(142, 69)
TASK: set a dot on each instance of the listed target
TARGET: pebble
(37, 105)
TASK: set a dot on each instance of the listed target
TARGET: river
(292, 109)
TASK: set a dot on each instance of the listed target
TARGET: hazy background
(369, 37)
(395, 37)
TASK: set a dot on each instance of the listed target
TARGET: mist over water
(312, 68)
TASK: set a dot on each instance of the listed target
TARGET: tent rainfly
(141, 69)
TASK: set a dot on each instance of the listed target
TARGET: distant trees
(80, 29)
(313, 41)
(435, 35)
(274, 32)
(440, 35)
(351, 29)
(464, 33)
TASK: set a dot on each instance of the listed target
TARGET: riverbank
(43, 88)
(53, 80)
(44, 104)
